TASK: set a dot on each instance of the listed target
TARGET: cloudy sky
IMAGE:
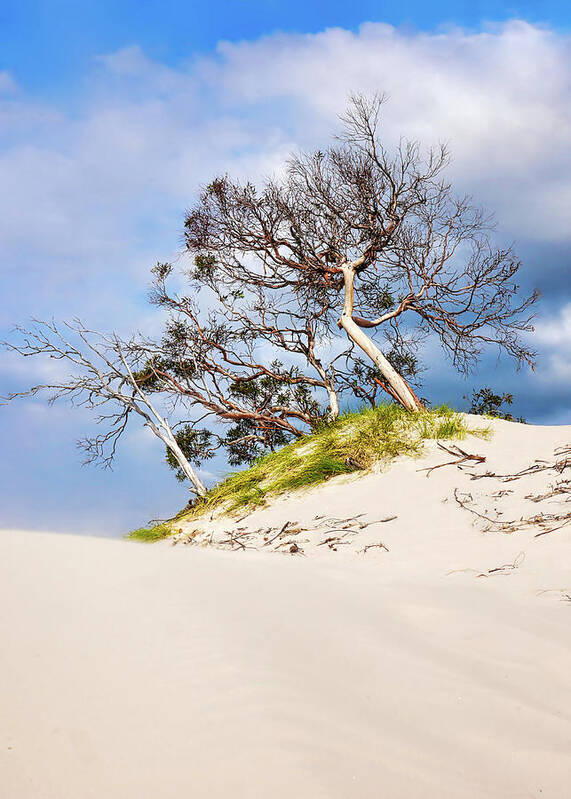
(113, 113)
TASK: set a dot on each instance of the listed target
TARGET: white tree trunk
(162, 429)
(398, 385)
(333, 404)
(199, 486)
(164, 432)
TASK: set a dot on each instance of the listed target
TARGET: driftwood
(506, 568)
(459, 455)
(277, 535)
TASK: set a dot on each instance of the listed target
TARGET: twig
(538, 466)
(380, 545)
(518, 560)
(567, 521)
(277, 535)
(332, 538)
(505, 569)
(539, 520)
(560, 488)
(463, 504)
(333, 521)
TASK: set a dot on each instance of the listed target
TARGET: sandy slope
(151, 671)
(428, 531)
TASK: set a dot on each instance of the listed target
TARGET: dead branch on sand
(544, 521)
(563, 454)
(563, 487)
(459, 455)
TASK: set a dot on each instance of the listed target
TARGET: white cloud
(556, 332)
(502, 98)
(553, 335)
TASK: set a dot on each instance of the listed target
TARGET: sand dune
(157, 671)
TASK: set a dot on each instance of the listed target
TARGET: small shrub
(485, 403)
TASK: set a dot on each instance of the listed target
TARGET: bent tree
(367, 240)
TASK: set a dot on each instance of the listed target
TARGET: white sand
(156, 672)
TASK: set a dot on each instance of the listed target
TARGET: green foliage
(146, 377)
(242, 445)
(486, 403)
(405, 362)
(204, 267)
(354, 441)
(150, 534)
(162, 270)
(195, 444)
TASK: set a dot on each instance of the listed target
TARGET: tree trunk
(333, 404)
(400, 389)
(199, 487)
(167, 437)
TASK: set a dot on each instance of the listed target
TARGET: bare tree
(367, 240)
(103, 381)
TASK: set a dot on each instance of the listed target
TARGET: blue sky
(113, 113)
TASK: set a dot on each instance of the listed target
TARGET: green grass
(150, 534)
(355, 441)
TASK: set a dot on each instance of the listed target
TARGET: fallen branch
(567, 520)
(463, 504)
(459, 455)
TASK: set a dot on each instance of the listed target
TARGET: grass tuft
(150, 534)
(353, 442)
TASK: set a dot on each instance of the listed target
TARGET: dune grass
(150, 534)
(354, 442)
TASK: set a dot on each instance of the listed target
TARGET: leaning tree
(105, 381)
(367, 240)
